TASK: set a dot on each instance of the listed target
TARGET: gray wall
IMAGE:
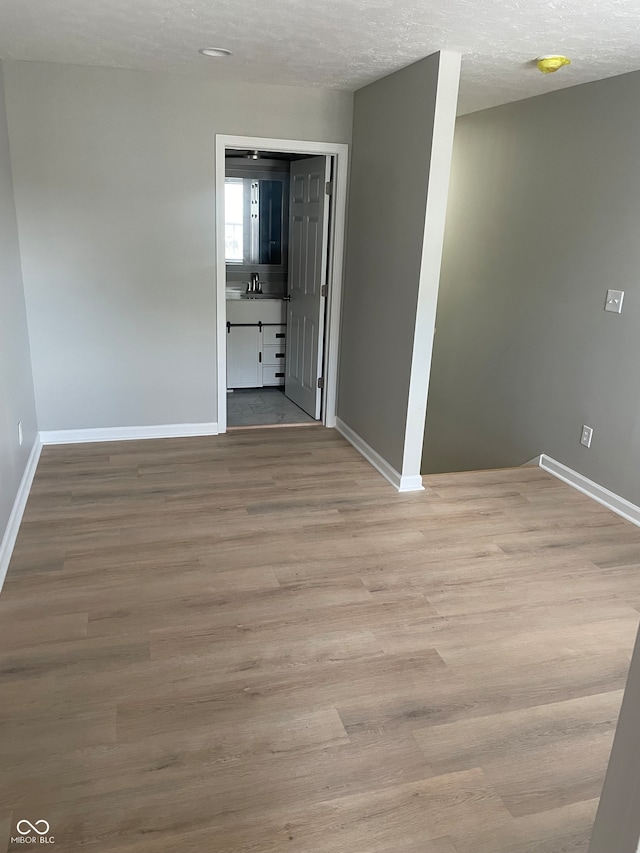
(114, 182)
(16, 388)
(617, 825)
(543, 216)
(394, 134)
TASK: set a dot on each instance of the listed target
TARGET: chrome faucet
(254, 286)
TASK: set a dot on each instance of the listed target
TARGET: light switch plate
(614, 301)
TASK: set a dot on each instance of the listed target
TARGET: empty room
(319, 427)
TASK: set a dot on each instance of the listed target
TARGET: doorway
(279, 279)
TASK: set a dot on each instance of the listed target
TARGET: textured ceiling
(338, 44)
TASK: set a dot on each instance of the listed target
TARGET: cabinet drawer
(273, 374)
(274, 335)
(273, 354)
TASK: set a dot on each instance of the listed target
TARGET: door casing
(340, 154)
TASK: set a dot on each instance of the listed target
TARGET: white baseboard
(598, 493)
(13, 525)
(411, 483)
(408, 483)
(76, 436)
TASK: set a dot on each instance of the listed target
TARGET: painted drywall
(617, 824)
(543, 217)
(114, 184)
(16, 387)
(403, 126)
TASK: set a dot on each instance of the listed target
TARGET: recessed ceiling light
(215, 51)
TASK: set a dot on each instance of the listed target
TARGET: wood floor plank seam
(251, 643)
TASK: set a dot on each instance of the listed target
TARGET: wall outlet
(587, 435)
(20, 432)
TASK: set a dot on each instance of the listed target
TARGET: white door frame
(340, 153)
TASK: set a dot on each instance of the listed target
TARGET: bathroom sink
(237, 294)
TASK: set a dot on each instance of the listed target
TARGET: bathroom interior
(257, 289)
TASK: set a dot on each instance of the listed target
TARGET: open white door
(308, 240)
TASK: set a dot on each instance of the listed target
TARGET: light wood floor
(252, 644)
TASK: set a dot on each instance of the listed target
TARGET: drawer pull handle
(279, 375)
(279, 355)
(280, 334)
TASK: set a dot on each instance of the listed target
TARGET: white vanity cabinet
(256, 341)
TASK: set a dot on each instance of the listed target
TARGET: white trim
(78, 436)
(399, 482)
(411, 483)
(221, 292)
(444, 120)
(598, 493)
(340, 153)
(17, 511)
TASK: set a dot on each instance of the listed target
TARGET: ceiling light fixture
(215, 51)
(549, 64)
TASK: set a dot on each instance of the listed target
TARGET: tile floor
(263, 406)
